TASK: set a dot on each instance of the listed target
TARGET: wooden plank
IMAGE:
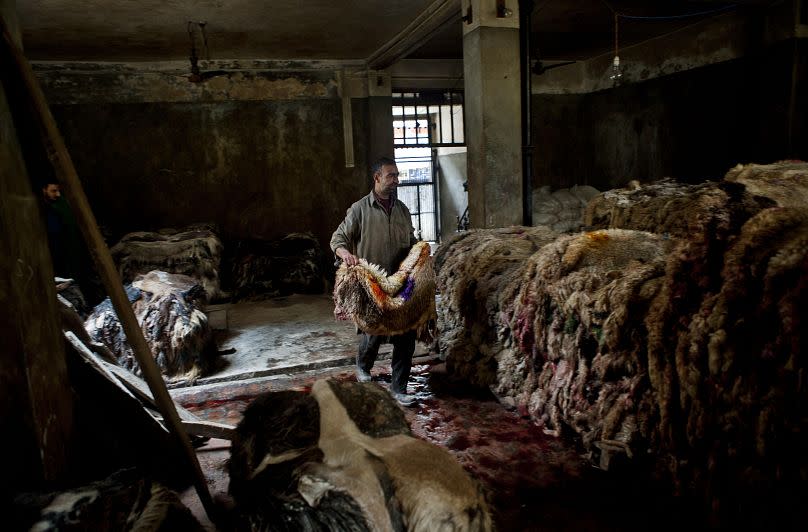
(99, 366)
(36, 404)
(209, 429)
(92, 359)
(138, 387)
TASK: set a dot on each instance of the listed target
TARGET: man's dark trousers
(403, 349)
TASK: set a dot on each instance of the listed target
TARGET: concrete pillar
(493, 107)
(380, 110)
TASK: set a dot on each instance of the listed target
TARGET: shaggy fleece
(195, 251)
(388, 305)
(169, 308)
(474, 272)
(685, 344)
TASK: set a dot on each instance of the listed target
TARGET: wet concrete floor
(534, 481)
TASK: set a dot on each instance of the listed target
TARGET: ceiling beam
(417, 33)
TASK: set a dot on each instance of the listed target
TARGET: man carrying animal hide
(378, 228)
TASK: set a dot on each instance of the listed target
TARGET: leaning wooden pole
(66, 173)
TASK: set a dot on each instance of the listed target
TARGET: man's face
(386, 180)
(51, 192)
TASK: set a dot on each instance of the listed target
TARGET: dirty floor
(281, 336)
(534, 481)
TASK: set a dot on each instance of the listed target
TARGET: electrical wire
(669, 17)
(686, 15)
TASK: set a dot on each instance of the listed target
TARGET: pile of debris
(676, 328)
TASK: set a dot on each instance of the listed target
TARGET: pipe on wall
(525, 12)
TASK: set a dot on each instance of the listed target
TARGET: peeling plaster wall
(257, 151)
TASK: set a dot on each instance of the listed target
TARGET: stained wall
(256, 147)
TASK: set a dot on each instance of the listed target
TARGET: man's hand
(347, 257)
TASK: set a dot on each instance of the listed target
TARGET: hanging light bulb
(617, 71)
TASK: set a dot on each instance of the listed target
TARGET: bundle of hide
(169, 308)
(675, 209)
(728, 367)
(688, 345)
(576, 324)
(562, 210)
(343, 458)
(473, 269)
(388, 305)
(292, 264)
(122, 501)
(785, 182)
(195, 251)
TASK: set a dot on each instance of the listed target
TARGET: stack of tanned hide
(387, 305)
(168, 308)
(292, 264)
(473, 270)
(688, 343)
(195, 251)
(343, 458)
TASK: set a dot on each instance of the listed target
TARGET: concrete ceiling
(577, 30)
(156, 30)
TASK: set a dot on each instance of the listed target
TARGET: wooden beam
(434, 17)
(36, 403)
(134, 388)
(71, 186)
(209, 429)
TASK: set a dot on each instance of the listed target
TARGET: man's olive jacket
(371, 234)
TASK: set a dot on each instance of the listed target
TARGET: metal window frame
(428, 98)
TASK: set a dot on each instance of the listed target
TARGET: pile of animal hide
(677, 330)
(169, 308)
(343, 458)
(292, 264)
(123, 501)
(473, 269)
(195, 251)
(562, 210)
(388, 305)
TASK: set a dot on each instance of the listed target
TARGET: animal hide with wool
(473, 269)
(195, 251)
(122, 501)
(169, 308)
(785, 183)
(388, 305)
(343, 458)
(292, 264)
(694, 356)
(675, 209)
(729, 378)
(577, 319)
